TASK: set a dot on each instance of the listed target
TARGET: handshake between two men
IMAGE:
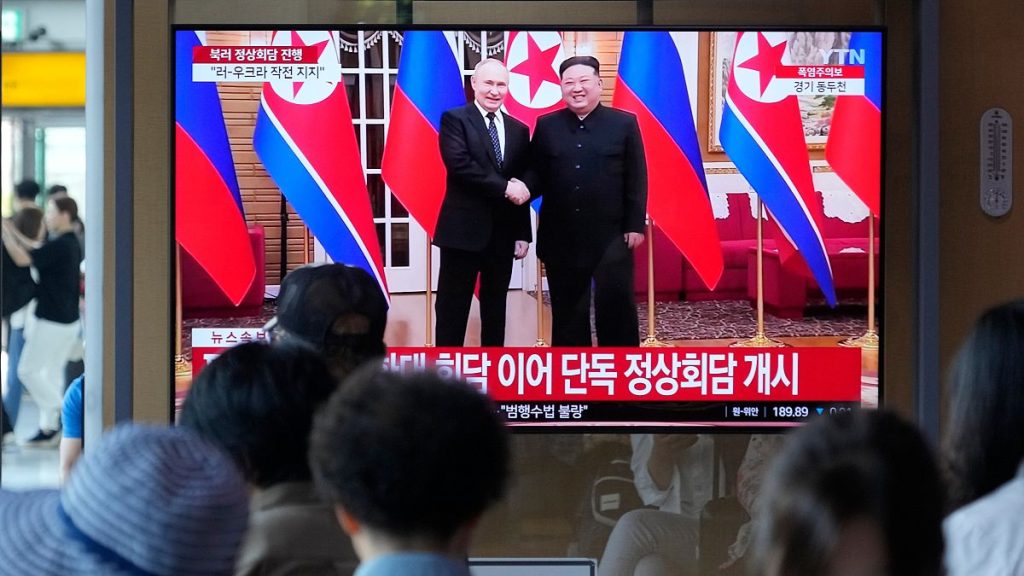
(517, 192)
(588, 161)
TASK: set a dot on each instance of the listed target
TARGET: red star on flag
(538, 66)
(297, 41)
(768, 57)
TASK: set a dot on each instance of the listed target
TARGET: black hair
(66, 205)
(257, 402)
(866, 465)
(28, 221)
(27, 190)
(56, 189)
(584, 60)
(342, 353)
(410, 455)
(984, 442)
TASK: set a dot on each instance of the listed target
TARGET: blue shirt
(413, 564)
(71, 413)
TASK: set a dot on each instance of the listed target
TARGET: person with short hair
(52, 337)
(257, 402)
(17, 300)
(484, 221)
(851, 494)
(26, 193)
(336, 310)
(587, 162)
(145, 500)
(984, 447)
(410, 463)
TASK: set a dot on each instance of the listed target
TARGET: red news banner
(609, 384)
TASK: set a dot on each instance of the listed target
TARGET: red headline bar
(824, 71)
(645, 374)
(255, 55)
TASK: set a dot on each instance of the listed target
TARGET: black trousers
(614, 301)
(455, 284)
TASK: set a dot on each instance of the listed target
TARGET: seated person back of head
(857, 494)
(257, 402)
(410, 463)
(984, 447)
(336, 310)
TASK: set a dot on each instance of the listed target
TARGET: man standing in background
(484, 222)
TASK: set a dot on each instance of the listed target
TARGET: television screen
(598, 228)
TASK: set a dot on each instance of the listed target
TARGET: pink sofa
(201, 298)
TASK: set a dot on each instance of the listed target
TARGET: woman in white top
(985, 447)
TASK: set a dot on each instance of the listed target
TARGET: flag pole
(539, 291)
(305, 247)
(869, 340)
(759, 340)
(429, 342)
(652, 340)
(181, 367)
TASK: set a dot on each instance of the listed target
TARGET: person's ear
(348, 522)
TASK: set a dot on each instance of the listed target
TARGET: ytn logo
(843, 56)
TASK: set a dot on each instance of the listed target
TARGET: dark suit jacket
(593, 180)
(474, 204)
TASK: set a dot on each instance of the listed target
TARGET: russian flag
(209, 219)
(652, 85)
(305, 139)
(429, 82)
(854, 148)
(762, 133)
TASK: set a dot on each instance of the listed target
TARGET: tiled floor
(27, 468)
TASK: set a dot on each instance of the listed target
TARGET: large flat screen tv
(705, 204)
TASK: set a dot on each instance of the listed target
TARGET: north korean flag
(763, 135)
(305, 139)
(534, 88)
(854, 148)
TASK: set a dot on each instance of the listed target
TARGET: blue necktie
(492, 129)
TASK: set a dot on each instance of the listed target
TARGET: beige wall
(153, 317)
(982, 257)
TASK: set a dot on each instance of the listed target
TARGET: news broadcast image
(640, 184)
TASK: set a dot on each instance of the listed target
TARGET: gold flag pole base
(652, 342)
(181, 366)
(758, 341)
(868, 341)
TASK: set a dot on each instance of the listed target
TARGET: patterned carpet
(675, 321)
(738, 319)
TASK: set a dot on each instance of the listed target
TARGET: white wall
(64, 21)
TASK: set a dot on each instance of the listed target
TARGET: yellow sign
(43, 79)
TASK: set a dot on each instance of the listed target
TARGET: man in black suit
(588, 162)
(484, 221)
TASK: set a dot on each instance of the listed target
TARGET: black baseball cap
(319, 303)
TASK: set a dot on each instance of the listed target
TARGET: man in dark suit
(484, 221)
(588, 162)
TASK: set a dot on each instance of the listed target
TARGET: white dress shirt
(499, 123)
